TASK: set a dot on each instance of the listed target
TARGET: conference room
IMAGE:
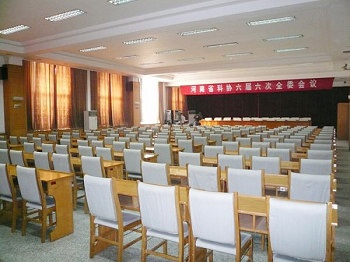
(124, 92)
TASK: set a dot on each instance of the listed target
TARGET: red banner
(259, 87)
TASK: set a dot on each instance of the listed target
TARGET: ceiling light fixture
(283, 37)
(139, 41)
(120, 2)
(91, 49)
(271, 21)
(198, 31)
(221, 45)
(170, 51)
(65, 15)
(14, 29)
(155, 63)
(238, 54)
(127, 57)
(290, 49)
(191, 59)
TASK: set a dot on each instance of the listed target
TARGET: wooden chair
(106, 153)
(232, 161)
(93, 166)
(165, 153)
(299, 230)
(108, 221)
(316, 166)
(211, 232)
(271, 165)
(132, 160)
(5, 156)
(204, 177)
(9, 194)
(37, 206)
(17, 158)
(42, 160)
(168, 226)
(190, 158)
(213, 151)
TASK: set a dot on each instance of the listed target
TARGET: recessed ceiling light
(272, 21)
(120, 2)
(238, 54)
(127, 57)
(191, 59)
(221, 45)
(91, 49)
(283, 37)
(139, 41)
(290, 49)
(170, 51)
(198, 31)
(65, 15)
(155, 63)
(14, 29)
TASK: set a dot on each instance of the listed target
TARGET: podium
(90, 120)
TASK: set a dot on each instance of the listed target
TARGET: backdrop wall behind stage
(320, 105)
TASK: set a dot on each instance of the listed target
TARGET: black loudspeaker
(3, 73)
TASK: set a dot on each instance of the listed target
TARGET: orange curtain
(117, 99)
(103, 98)
(178, 101)
(49, 89)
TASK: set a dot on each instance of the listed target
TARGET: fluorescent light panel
(139, 41)
(198, 31)
(272, 21)
(191, 59)
(14, 29)
(170, 51)
(120, 2)
(155, 63)
(91, 49)
(283, 37)
(127, 57)
(290, 49)
(238, 54)
(65, 15)
(221, 45)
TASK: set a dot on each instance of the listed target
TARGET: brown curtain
(79, 89)
(93, 90)
(178, 101)
(117, 99)
(63, 97)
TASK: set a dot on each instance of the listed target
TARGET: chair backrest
(132, 160)
(147, 141)
(320, 154)
(28, 147)
(299, 229)
(190, 158)
(186, 144)
(66, 141)
(85, 150)
(152, 210)
(50, 148)
(217, 138)
(255, 138)
(232, 161)
(93, 166)
(314, 146)
(296, 141)
(52, 137)
(5, 156)
(82, 142)
(99, 190)
(200, 140)
(213, 151)
(244, 141)
(245, 181)
(17, 157)
(165, 153)
(207, 210)
(263, 145)
(30, 184)
(61, 162)
(155, 173)
(108, 140)
(316, 166)
(42, 160)
(248, 152)
(13, 140)
(137, 145)
(37, 141)
(290, 146)
(310, 187)
(271, 164)
(119, 146)
(97, 143)
(204, 177)
(271, 140)
(283, 153)
(3, 144)
(5, 180)
(231, 145)
(161, 140)
(105, 152)
(62, 149)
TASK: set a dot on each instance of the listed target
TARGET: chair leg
(144, 245)
(92, 237)
(14, 216)
(24, 218)
(120, 235)
(43, 226)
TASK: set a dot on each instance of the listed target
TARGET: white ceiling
(324, 24)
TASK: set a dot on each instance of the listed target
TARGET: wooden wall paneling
(343, 121)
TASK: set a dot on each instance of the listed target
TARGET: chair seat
(50, 202)
(128, 218)
(167, 236)
(281, 258)
(226, 248)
